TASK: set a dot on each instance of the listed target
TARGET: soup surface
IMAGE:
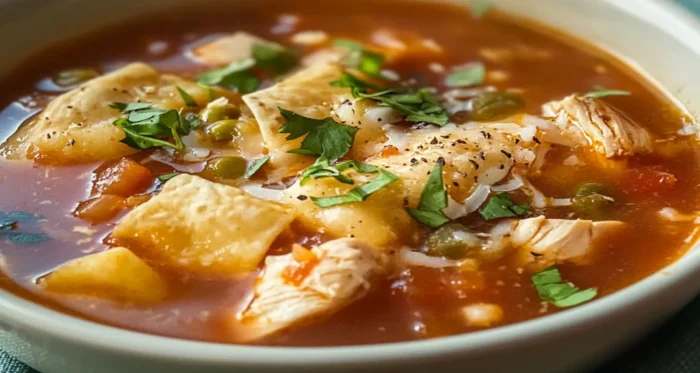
(299, 173)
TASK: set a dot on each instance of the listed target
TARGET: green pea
(223, 130)
(495, 105)
(450, 241)
(593, 206)
(227, 167)
(68, 78)
(215, 113)
(588, 189)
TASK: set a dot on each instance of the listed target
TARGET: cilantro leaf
(501, 206)
(255, 166)
(324, 137)
(146, 127)
(432, 200)
(600, 92)
(480, 8)
(189, 101)
(419, 106)
(357, 194)
(551, 288)
(129, 107)
(472, 75)
(322, 168)
(9, 222)
(167, 177)
(273, 58)
(358, 57)
(236, 76)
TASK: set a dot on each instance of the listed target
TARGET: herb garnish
(480, 8)
(360, 58)
(358, 194)
(238, 75)
(324, 137)
(432, 200)
(501, 206)
(166, 177)
(189, 101)
(468, 76)
(273, 58)
(322, 168)
(419, 106)
(145, 127)
(551, 288)
(255, 166)
(10, 221)
(600, 91)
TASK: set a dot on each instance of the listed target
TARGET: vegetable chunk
(339, 272)
(115, 274)
(204, 226)
(76, 127)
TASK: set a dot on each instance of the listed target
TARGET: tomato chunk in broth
(288, 174)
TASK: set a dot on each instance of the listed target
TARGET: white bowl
(663, 42)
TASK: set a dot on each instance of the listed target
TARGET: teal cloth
(674, 348)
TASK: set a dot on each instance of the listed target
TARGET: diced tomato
(101, 209)
(648, 181)
(124, 179)
(306, 262)
(389, 151)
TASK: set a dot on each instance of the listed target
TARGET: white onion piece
(456, 210)
(257, 190)
(196, 154)
(385, 38)
(548, 131)
(309, 37)
(511, 185)
(671, 214)
(465, 93)
(477, 198)
(538, 199)
(382, 115)
(418, 259)
(559, 202)
(689, 129)
(457, 106)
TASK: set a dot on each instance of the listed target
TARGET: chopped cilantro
(324, 137)
(189, 101)
(236, 76)
(322, 168)
(145, 127)
(472, 75)
(167, 177)
(358, 57)
(357, 194)
(273, 58)
(551, 288)
(501, 206)
(255, 166)
(27, 238)
(432, 200)
(599, 92)
(418, 106)
(481, 7)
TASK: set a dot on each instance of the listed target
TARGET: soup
(269, 174)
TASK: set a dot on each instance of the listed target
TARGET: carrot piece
(101, 209)
(124, 179)
(388, 151)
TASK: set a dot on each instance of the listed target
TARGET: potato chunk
(76, 127)
(115, 274)
(204, 226)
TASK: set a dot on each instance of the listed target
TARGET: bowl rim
(17, 313)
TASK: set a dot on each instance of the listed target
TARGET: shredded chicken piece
(542, 242)
(590, 121)
(342, 272)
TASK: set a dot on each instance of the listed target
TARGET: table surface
(674, 348)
